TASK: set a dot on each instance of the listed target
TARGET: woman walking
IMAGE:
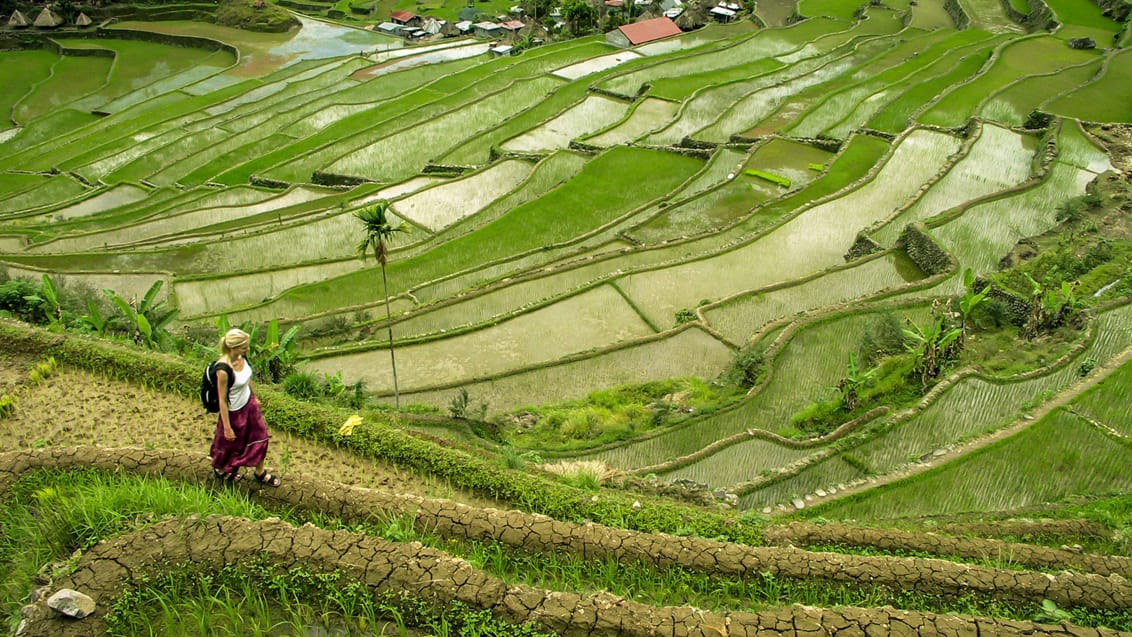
(241, 434)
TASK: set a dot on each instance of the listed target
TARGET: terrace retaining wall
(107, 568)
(388, 568)
(958, 15)
(1118, 10)
(168, 39)
(923, 250)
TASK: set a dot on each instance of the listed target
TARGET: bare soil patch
(78, 408)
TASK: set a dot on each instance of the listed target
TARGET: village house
(390, 28)
(432, 26)
(503, 50)
(405, 18)
(48, 19)
(487, 30)
(724, 11)
(18, 20)
(641, 32)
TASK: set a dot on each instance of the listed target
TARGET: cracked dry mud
(95, 422)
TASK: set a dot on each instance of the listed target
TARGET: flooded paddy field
(571, 206)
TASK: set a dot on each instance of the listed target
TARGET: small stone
(767, 510)
(799, 503)
(71, 603)
(820, 493)
(636, 505)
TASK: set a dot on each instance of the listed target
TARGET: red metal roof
(649, 30)
(402, 16)
(512, 25)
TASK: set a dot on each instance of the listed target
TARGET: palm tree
(378, 230)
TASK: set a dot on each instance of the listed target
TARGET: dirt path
(74, 407)
(1060, 400)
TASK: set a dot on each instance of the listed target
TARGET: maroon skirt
(250, 446)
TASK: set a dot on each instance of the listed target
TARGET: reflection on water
(316, 40)
(905, 266)
(776, 13)
(323, 40)
(408, 59)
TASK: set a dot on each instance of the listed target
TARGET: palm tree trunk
(389, 326)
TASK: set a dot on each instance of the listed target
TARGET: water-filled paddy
(102, 202)
(1076, 458)
(1013, 104)
(516, 238)
(444, 204)
(648, 115)
(1031, 56)
(739, 319)
(264, 52)
(594, 113)
(807, 369)
(987, 231)
(595, 65)
(184, 223)
(998, 160)
(813, 241)
(597, 318)
(689, 352)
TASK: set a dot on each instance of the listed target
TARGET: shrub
(883, 336)
(302, 385)
(23, 300)
(458, 406)
(685, 315)
(747, 367)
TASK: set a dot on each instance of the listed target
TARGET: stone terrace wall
(178, 542)
(923, 250)
(385, 567)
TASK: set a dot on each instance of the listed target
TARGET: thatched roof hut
(691, 19)
(48, 19)
(18, 20)
(449, 29)
(83, 20)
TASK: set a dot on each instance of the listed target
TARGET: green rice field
(584, 216)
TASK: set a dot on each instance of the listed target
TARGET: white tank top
(240, 390)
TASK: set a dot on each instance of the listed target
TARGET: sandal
(231, 478)
(266, 479)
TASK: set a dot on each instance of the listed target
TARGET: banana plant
(274, 354)
(933, 348)
(93, 318)
(853, 381)
(49, 296)
(278, 354)
(970, 299)
(1050, 308)
(145, 322)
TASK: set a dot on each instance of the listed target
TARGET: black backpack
(209, 396)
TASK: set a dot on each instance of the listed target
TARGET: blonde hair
(232, 339)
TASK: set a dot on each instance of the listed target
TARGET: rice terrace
(688, 318)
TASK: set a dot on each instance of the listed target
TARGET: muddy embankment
(116, 563)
